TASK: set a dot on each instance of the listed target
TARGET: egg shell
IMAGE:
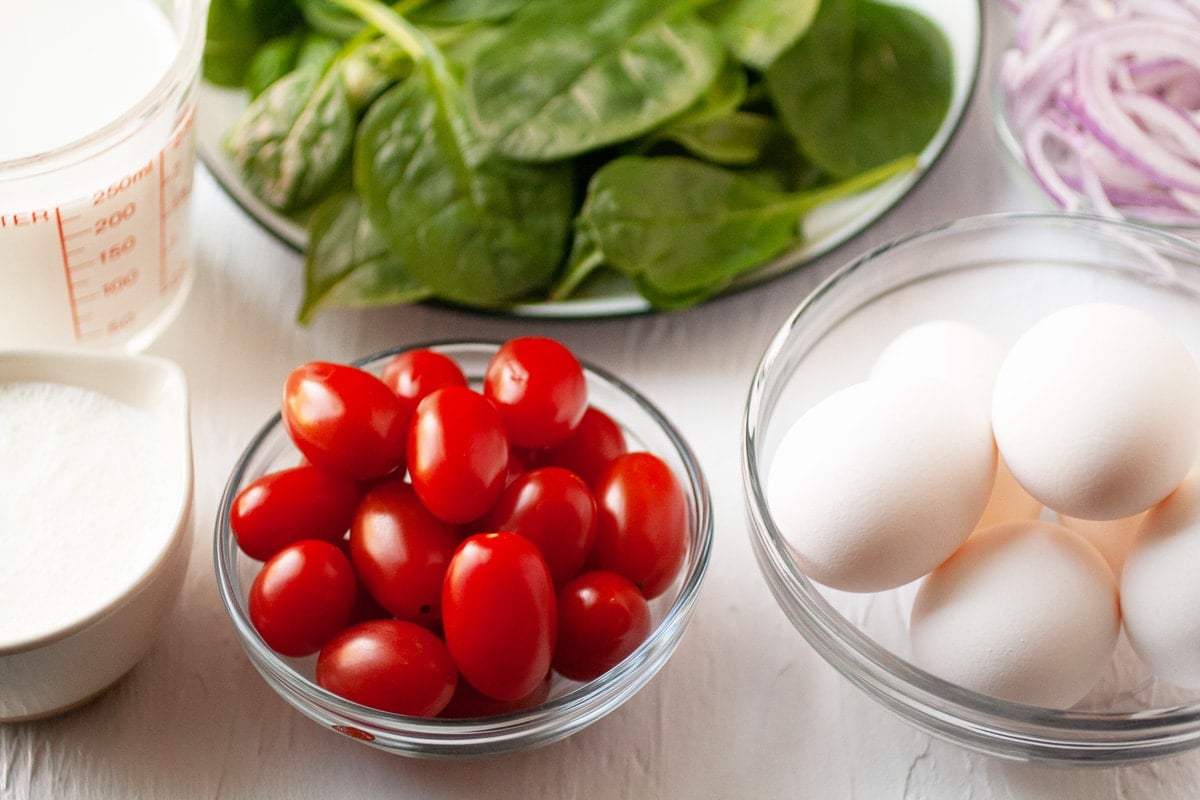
(1008, 501)
(969, 356)
(1160, 587)
(882, 480)
(948, 349)
(1024, 611)
(1112, 537)
(1096, 410)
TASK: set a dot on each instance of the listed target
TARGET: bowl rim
(980, 722)
(49, 365)
(542, 724)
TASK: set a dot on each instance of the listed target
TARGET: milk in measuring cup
(97, 153)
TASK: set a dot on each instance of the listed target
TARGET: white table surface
(745, 709)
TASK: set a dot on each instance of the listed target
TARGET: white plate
(824, 229)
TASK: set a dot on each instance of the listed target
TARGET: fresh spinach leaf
(347, 264)
(281, 55)
(683, 230)
(566, 78)
(276, 58)
(714, 128)
(370, 68)
(234, 31)
(868, 83)
(476, 228)
(294, 141)
(726, 94)
(295, 138)
(736, 139)
(584, 259)
(758, 31)
(456, 12)
(318, 49)
(329, 18)
(335, 19)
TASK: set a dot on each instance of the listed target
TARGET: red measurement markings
(66, 262)
(162, 220)
(174, 188)
(122, 322)
(113, 189)
(94, 248)
(22, 219)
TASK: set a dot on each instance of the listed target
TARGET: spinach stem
(392, 25)
(575, 275)
(406, 6)
(808, 200)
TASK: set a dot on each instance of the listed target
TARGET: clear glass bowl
(570, 706)
(1066, 197)
(1000, 272)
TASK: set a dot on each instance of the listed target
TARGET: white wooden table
(744, 710)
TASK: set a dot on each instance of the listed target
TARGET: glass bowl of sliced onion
(1100, 103)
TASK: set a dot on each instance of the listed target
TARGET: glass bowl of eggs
(969, 460)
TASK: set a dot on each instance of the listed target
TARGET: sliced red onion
(1034, 24)
(1038, 137)
(1172, 127)
(1103, 97)
(1101, 115)
(1189, 201)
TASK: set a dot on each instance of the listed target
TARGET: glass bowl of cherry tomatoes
(462, 548)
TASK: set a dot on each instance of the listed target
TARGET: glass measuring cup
(95, 233)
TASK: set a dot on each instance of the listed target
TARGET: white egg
(1112, 537)
(1096, 410)
(1160, 587)
(946, 349)
(1024, 611)
(969, 356)
(1008, 501)
(881, 481)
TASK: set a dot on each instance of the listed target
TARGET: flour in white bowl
(86, 504)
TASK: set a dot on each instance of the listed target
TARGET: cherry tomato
(457, 454)
(520, 461)
(344, 419)
(602, 617)
(553, 508)
(366, 606)
(641, 522)
(302, 596)
(416, 373)
(400, 552)
(289, 505)
(539, 388)
(390, 665)
(596, 441)
(498, 614)
(470, 702)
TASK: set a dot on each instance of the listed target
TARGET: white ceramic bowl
(48, 670)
